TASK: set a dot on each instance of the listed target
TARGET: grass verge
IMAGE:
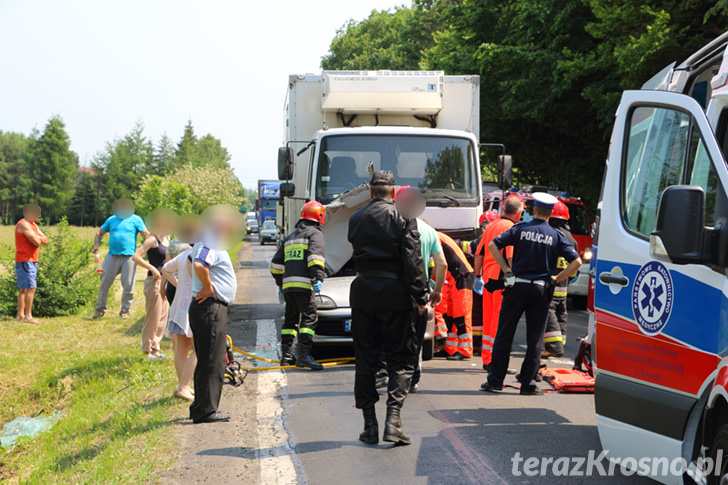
(117, 407)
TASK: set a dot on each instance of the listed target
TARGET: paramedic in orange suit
(453, 314)
(487, 269)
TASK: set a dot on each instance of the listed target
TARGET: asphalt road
(459, 434)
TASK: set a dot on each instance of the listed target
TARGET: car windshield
(269, 224)
(441, 167)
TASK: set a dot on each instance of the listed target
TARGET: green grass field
(7, 238)
(116, 406)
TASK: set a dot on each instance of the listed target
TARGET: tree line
(42, 168)
(552, 71)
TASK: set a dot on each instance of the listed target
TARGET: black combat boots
(287, 357)
(393, 430)
(305, 344)
(370, 435)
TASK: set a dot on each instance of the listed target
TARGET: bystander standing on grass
(28, 239)
(123, 228)
(161, 223)
(178, 271)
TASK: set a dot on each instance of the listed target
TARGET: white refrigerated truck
(421, 125)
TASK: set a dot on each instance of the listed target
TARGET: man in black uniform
(389, 291)
(529, 287)
(298, 268)
(554, 338)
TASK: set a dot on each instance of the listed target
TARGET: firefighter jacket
(299, 261)
(387, 257)
(562, 287)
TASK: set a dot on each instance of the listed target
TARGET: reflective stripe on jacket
(299, 261)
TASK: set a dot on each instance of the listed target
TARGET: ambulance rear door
(660, 326)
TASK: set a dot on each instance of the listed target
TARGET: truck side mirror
(505, 171)
(285, 163)
(287, 189)
(680, 228)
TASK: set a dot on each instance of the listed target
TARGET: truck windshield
(442, 167)
(268, 204)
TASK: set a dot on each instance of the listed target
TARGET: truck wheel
(428, 349)
(719, 447)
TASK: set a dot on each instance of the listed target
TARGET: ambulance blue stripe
(697, 312)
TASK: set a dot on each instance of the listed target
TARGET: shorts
(173, 328)
(25, 274)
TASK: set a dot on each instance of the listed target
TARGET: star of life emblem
(652, 297)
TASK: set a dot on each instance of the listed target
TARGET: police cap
(542, 199)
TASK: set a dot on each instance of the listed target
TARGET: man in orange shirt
(487, 269)
(28, 239)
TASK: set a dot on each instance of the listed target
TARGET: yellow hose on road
(325, 362)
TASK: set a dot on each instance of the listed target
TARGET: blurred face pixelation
(162, 222)
(222, 227)
(123, 208)
(410, 203)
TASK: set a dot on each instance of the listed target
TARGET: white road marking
(274, 450)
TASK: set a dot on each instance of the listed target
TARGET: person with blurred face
(28, 239)
(411, 204)
(123, 228)
(161, 222)
(178, 272)
(213, 290)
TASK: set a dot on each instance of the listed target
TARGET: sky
(104, 65)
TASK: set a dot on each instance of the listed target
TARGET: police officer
(298, 268)
(390, 289)
(554, 338)
(529, 287)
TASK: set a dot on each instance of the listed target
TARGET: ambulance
(660, 271)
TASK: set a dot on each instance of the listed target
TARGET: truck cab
(660, 274)
(421, 125)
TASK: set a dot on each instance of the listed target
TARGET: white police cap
(542, 199)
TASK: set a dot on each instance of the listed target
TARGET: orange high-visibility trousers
(455, 314)
(491, 311)
(491, 270)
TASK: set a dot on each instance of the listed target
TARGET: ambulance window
(703, 174)
(654, 160)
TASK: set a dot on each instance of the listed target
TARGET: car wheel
(428, 349)
(719, 474)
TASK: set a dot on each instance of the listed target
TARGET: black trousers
(521, 297)
(420, 329)
(392, 333)
(300, 315)
(208, 321)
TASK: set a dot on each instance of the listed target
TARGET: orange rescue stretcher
(568, 380)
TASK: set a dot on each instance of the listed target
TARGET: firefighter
(487, 270)
(529, 287)
(298, 268)
(454, 312)
(554, 339)
(390, 289)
